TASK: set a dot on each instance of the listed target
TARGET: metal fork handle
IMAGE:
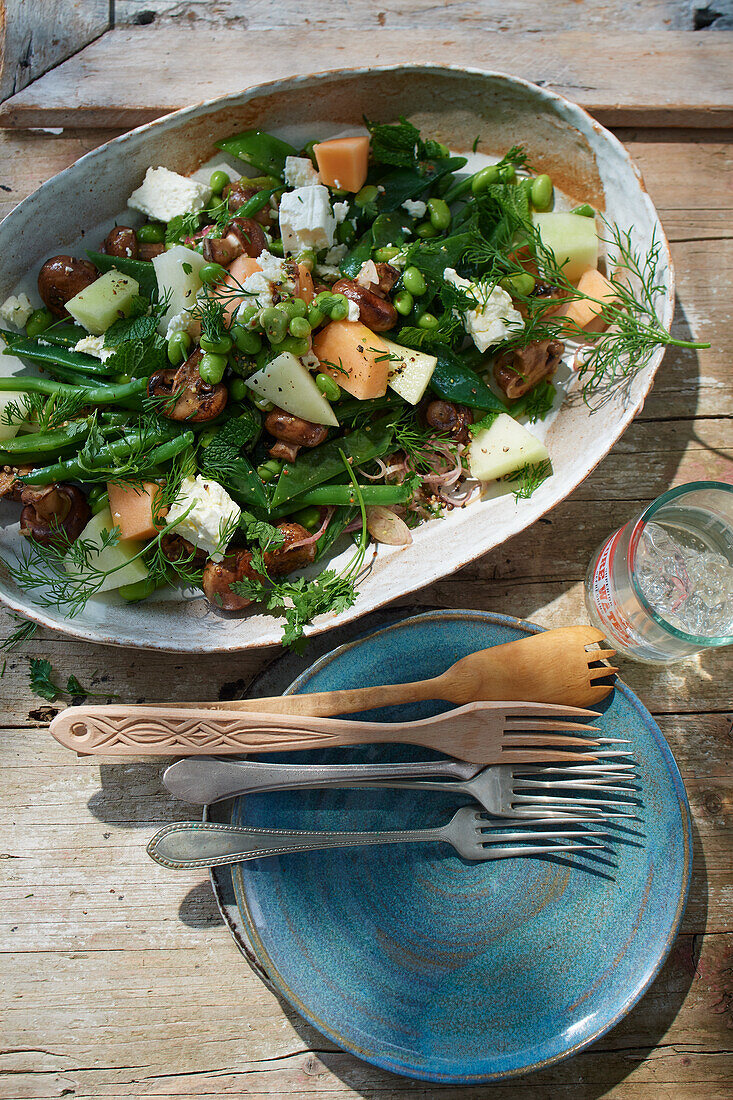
(190, 844)
(206, 779)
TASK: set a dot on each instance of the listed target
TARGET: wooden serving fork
(480, 733)
(552, 667)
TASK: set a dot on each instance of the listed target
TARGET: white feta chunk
(211, 517)
(340, 210)
(164, 195)
(180, 322)
(94, 345)
(336, 254)
(415, 207)
(299, 172)
(306, 219)
(259, 287)
(368, 274)
(276, 270)
(353, 314)
(16, 310)
(493, 319)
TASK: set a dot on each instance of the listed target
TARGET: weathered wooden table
(118, 979)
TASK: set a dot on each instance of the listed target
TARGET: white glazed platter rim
(204, 631)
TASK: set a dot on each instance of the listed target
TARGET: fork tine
(519, 740)
(590, 785)
(595, 769)
(514, 725)
(544, 710)
(599, 673)
(490, 835)
(580, 803)
(540, 754)
(600, 654)
(536, 850)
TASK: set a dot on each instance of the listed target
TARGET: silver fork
(190, 844)
(504, 790)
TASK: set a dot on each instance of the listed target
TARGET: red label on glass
(603, 591)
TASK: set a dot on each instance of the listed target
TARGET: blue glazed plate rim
(389, 1062)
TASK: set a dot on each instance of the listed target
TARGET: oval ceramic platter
(434, 967)
(587, 164)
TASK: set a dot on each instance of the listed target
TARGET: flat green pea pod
(541, 192)
(110, 457)
(323, 463)
(259, 149)
(38, 322)
(93, 394)
(453, 381)
(409, 183)
(352, 262)
(63, 334)
(141, 270)
(324, 495)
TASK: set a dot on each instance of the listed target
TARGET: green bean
(48, 442)
(343, 495)
(72, 469)
(541, 192)
(94, 395)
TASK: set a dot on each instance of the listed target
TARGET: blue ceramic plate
(437, 968)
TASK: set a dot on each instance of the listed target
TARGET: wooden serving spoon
(552, 667)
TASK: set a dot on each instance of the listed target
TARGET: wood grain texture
(666, 78)
(118, 979)
(35, 35)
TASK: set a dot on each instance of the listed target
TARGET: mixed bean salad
(342, 342)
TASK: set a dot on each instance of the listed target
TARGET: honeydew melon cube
(119, 557)
(9, 431)
(572, 238)
(410, 371)
(501, 449)
(177, 272)
(290, 386)
(104, 301)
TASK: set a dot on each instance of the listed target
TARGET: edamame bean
(275, 323)
(218, 182)
(151, 233)
(38, 322)
(403, 302)
(439, 213)
(367, 194)
(309, 517)
(483, 179)
(238, 389)
(385, 254)
(269, 470)
(296, 307)
(138, 590)
(330, 389)
(292, 344)
(507, 173)
(261, 403)
(276, 248)
(428, 320)
(179, 345)
(212, 273)
(425, 230)
(221, 347)
(521, 283)
(249, 317)
(340, 308)
(248, 342)
(541, 192)
(585, 210)
(212, 367)
(413, 280)
(300, 328)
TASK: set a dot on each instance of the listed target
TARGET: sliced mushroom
(190, 397)
(516, 371)
(148, 250)
(220, 575)
(450, 419)
(239, 193)
(121, 241)
(61, 278)
(293, 429)
(289, 557)
(11, 482)
(284, 452)
(177, 549)
(242, 237)
(375, 311)
(54, 514)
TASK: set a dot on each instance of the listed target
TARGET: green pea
(275, 323)
(439, 213)
(212, 367)
(585, 210)
(483, 179)
(428, 320)
(38, 322)
(307, 257)
(212, 273)
(507, 173)
(330, 389)
(249, 343)
(276, 247)
(218, 182)
(413, 280)
(384, 255)
(151, 233)
(238, 389)
(122, 379)
(521, 283)
(179, 345)
(248, 316)
(367, 194)
(292, 344)
(299, 327)
(268, 471)
(345, 232)
(296, 307)
(316, 317)
(425, 230)
(403, 302)
(98, 500)
(340, 308)
(310, 517)
(541, 192)
(261, 403)
(139, 590)
(221, 347)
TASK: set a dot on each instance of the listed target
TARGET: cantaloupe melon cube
(342, 162)
(132, 509)
(586, 314)
(354, 357)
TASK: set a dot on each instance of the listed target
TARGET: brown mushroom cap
(293, 429)
(197, 400)
(375, 311)
(121, 241)
(177, 549)
(219, 575)
(54, 514)
(519, 369)
(289, 557)
(61, 278)
(449, 419)
(239, 193)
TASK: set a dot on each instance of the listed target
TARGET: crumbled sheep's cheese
(311, 361)
(94, 345)
(16, 310)
(340, 210)
(494, 319)
(353, 314)
(164, 195)
(259, 287)
(368, 274)
(306, 219)
(336, 254)
(180, 322)
(212, 512)
(275, 269)
(415, 207)
(299, 172)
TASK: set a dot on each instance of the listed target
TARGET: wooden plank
(667, 78)
(35, 35)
